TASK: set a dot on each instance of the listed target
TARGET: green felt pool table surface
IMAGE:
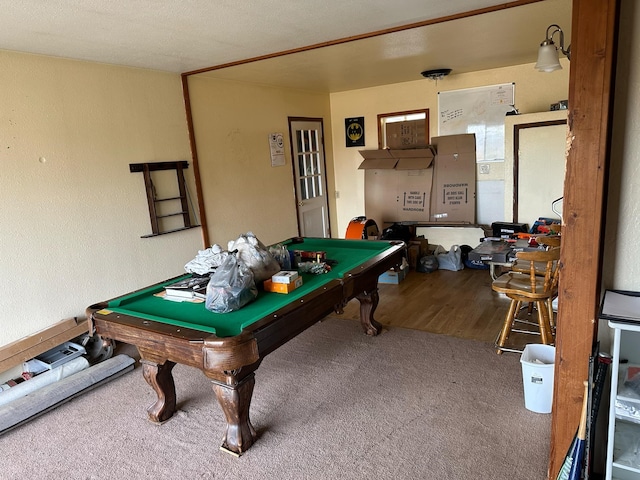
(348, 255)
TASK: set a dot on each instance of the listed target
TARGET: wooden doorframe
(324, 165)
(516, 157)
(594, 33)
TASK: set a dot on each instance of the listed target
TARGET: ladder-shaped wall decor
(155, 213)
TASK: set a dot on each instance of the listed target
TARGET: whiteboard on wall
(481, 111)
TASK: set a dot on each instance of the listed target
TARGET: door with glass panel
(307, 148)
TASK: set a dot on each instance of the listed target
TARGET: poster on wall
(479, 110)
(354, 131)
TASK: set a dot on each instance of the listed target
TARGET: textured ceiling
(182, 36)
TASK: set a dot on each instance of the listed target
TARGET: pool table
(229, 347)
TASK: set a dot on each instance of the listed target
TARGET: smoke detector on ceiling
(436, 74)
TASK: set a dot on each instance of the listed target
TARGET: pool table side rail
(164, 341)
(102, 311)
(160, 342)
(382, 262)
(364, 277)
(286, 323)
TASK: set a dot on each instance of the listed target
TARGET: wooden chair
(531, 288)
(549, 241)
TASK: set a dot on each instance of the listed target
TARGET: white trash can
(537, 375)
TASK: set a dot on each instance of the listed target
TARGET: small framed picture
(354, 131)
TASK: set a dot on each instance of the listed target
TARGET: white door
(310, 177)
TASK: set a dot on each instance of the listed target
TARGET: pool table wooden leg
(161, 380)
(368, 303)
(235, 401)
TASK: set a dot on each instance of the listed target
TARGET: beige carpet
(331, 404)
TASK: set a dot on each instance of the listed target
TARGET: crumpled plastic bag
(452, 260)
(427, 264)
(254, 255)
(206, 261)
(231, 287)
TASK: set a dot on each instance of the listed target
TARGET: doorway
(539, 166)
(310, 180)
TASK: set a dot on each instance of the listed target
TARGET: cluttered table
(499, 253)
(229, 347)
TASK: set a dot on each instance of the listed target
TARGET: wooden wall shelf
(153, 200)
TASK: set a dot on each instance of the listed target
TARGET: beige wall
(242, 191)
(534, 92)
(72, 215)
(622, 237)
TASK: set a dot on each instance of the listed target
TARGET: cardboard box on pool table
(270, 286)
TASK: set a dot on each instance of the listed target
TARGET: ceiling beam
(424, 23)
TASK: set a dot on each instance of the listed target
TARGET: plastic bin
(537, 375)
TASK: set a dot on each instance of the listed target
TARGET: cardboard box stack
(283, 282)
(425, 183)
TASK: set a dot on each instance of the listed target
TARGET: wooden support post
(593, 34)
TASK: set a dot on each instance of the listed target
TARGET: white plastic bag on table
(253, 254)
(452, 260)
(231, 287)
(206, 261)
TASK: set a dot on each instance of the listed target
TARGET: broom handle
(582, 429)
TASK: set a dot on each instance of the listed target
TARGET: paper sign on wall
(276, 147)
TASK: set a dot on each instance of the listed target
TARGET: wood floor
(459, 304)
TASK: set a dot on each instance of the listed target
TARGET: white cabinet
(623, 441)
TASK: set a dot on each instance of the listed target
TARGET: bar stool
(533, 288)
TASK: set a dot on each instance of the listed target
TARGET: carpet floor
(330, 404)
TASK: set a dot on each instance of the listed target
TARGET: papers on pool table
(188, 288)
(164, 295)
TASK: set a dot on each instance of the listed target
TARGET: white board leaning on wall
(481, 110)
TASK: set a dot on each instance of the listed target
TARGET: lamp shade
(548, 59)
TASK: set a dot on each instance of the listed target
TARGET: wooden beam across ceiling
(448, 18)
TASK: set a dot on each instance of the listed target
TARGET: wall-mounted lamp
(548, 58)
